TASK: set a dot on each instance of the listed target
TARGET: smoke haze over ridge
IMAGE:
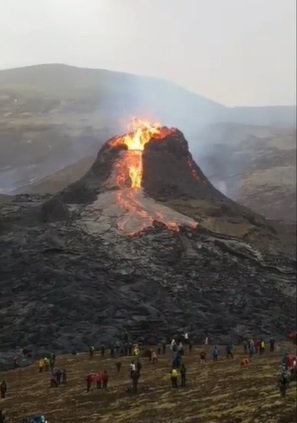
(233, 51)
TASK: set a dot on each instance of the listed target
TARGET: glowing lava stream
(140, 211)
(141, 133)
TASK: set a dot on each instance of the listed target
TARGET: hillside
(254, 165)
(219, 392)
(55, 115)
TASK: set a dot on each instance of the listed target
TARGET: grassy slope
(220, 392)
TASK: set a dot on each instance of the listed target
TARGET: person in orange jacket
(40, 365)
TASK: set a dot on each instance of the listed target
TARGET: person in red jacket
(89, 381)
(104, 379)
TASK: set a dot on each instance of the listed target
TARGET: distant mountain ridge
(133, 93)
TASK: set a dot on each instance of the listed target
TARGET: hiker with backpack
(283, 380)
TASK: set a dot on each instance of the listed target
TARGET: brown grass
(215, 392)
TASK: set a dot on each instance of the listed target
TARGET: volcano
(136, 177)
(142, 243)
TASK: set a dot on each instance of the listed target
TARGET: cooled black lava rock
(63, 287)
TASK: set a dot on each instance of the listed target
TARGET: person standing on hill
(41, 365)
(180, 348)
(132, 367)
(202, 357)
(183, 372)
(251, 348)
(58, 375)
(3, 389)
(135, 377)
(138, 366)
(283, 380)
(173, 377)
(271, 344)
(229, 351)
(91, 351)
(53, 380)
(261, 346)
(215, 353)
(118, 366)
(2, 417)
(104, 378)
(98, 379)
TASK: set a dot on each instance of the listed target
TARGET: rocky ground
(215, 392)
(63, 286)
(69, 277)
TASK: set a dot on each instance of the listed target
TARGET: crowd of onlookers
(178, 347)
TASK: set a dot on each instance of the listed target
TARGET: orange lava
(129, 173)
(140, 133)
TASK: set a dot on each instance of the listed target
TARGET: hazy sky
(238, 52)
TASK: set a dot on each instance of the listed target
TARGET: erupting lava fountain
(126, 199)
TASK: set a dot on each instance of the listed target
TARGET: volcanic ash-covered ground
(144, 243)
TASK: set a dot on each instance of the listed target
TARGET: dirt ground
(219, 392)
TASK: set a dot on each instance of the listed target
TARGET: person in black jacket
(183, 372)
(3, 389)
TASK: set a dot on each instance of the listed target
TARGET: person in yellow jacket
(40, 365)
(136, 351)
(262, 346)
(174, 377)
